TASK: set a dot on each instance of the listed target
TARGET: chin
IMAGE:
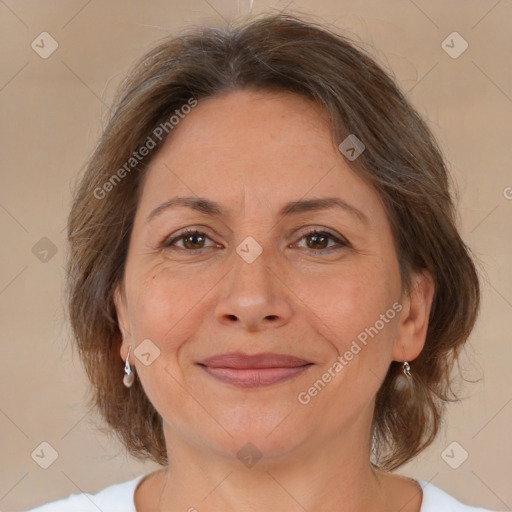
(268, 437)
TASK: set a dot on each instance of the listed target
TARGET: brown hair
(401, 162)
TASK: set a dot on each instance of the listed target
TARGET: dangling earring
(129, 376)
(406, 369)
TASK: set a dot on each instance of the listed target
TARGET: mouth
(252, 371)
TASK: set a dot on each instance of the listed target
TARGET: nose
(254, 296)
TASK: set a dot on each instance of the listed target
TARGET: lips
(266, 360)
(249, 371)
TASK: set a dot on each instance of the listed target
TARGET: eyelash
(166, 243)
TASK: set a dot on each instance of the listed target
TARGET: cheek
(350, 302)
(161, 303)
(349, 308)
(163, 309)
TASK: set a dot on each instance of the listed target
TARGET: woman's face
(254, 280)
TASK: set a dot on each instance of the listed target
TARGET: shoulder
(116, 498)
(436, 500)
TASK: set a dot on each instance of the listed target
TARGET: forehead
(245, 122)
(268, 147)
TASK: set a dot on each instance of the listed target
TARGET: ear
(122, 319)
(414, 317)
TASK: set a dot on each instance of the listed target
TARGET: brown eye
(319, 241)
(192, 240)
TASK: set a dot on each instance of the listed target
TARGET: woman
(264, 242)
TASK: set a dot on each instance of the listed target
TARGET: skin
(252, 152)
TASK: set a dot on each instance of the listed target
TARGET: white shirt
(119, 498)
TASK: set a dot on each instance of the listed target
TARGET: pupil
(191, 237)
(316, 237)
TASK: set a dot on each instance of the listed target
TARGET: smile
(254, 377)
(252, 371)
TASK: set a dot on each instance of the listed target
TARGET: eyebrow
(213, 208)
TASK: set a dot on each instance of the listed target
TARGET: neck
(331, 475)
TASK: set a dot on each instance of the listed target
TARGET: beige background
(52, 111)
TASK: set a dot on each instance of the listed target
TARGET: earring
(129, 376)
(406, 369)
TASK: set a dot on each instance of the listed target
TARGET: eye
(318, 241)
(193, 240)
